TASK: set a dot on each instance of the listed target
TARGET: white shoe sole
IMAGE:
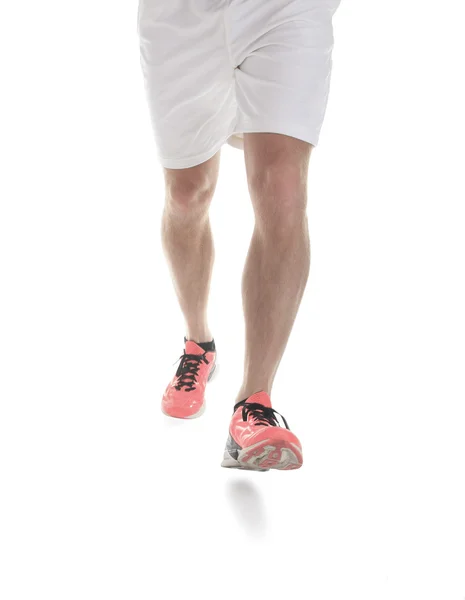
(264, 456)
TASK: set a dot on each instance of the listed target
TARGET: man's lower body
(255, 74)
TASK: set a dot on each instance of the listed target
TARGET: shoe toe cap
(183, 407)
(275, 434)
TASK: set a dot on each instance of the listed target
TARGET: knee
(188, 194)
(279, 196)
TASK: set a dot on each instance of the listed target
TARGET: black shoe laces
(188, 370)
(263, 415)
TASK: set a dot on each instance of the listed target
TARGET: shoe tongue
(193, 348)
(260, 397)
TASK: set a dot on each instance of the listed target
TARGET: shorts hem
(191, 161)
(295, 131)
(235, 140)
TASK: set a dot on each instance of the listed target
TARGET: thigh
(193, 184)
(188, 78)
(276, 156)
(277, 173)
(283, 50)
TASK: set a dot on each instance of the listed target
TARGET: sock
(207, 346)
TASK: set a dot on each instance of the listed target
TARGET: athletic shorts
(216, 69)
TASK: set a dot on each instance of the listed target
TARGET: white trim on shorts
(235, 141)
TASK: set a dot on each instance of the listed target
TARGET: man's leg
(278, 261)
(187, 241)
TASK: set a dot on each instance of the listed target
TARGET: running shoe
(256, 439)
(184, 396)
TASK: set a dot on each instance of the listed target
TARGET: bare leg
(187, 241)
(278, 261)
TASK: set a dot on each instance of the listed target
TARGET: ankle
(199, 335)
(247, 391)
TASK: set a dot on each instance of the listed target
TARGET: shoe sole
(200, 412)
(265, 455)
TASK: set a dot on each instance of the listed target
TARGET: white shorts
(215, 69)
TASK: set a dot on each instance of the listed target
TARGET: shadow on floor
(246, 502)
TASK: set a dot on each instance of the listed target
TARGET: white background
(102, 497)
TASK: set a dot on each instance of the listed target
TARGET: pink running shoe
(256, 440)
(184, 396)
